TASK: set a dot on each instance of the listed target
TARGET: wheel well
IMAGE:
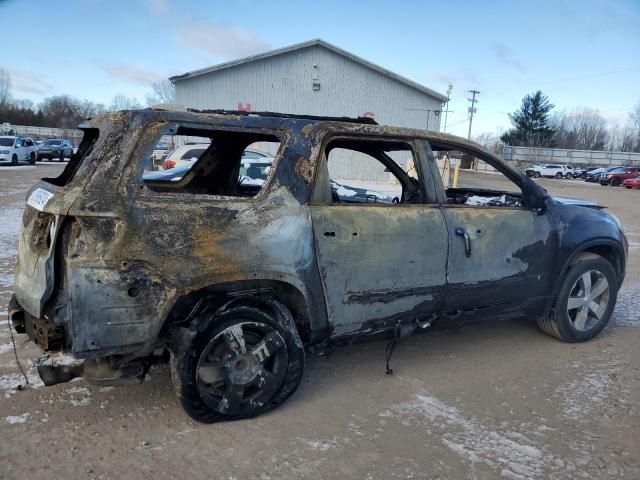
(610, 254)
(252, 292)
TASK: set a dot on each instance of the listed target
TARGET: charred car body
(257, 273)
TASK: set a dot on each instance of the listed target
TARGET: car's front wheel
(536, 174)
(32, 158)
(244, 363)
(558, 175)
(615, 182)
(14, 159)
(585, 301)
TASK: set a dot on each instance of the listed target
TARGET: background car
(594, 175)
(17, 149)
(253, 171)
(617, 176)
(160, 152)
(582, 172)
(190, 152)
(58, 148)
(631, 183)
(184, 155)
(550, 170)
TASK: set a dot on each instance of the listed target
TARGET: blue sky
(580, 53)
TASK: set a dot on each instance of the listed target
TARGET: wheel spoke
(268, 384)
(231, 401)
(267, 346)
(586, 282)
(211, 372)
(575, 302)
(597, 309)
(599, 288)
(234, 339)
(581, 318)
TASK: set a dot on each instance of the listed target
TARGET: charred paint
(109, 261)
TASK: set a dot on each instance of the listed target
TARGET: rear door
(380, 261)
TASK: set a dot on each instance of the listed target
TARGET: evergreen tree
(531, 123)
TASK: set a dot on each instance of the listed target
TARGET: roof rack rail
(367, 120)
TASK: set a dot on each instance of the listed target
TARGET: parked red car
(631, 183)
(617, 176)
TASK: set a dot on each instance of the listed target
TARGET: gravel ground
(483, 401)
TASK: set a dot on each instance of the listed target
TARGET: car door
(380, 262)
(20, 149)
(501, 243)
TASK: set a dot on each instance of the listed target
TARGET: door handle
(461, 232)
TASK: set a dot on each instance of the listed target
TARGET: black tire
(583, 176)
(273, 379)
(628, 187)
(559, 323)
(558, 175)
(14, 159)
(32, 158)
(536, 174)
(615, 182)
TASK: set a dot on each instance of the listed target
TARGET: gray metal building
(313, 78)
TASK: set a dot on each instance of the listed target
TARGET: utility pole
(472, 109)
(446, 108)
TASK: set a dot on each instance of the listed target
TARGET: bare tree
(122, 102)
(5, 86)
(634, 118)
(583, 129)
(163, 91)
(490, 141)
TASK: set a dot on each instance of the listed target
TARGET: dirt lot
(492, 400)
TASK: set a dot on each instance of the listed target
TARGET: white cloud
(29, 82)
(223, 40)
(132, 73)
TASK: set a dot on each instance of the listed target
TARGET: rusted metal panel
(379, 261)
(510, 250)
(108, 258)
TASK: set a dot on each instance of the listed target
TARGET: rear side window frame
(172, 189)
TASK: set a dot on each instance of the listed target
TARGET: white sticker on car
(39, 198)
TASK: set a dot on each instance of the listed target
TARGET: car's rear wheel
(585, 301)
(244, 363)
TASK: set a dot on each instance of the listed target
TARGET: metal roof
(311, 43)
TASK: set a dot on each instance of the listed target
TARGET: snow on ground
(12, 419)
(626, 311)
(513, 454)
(588, 392)
(386, 188)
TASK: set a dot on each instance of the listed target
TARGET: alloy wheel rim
(242, 368)
(588, 300)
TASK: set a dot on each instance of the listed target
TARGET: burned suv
(236, 280)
